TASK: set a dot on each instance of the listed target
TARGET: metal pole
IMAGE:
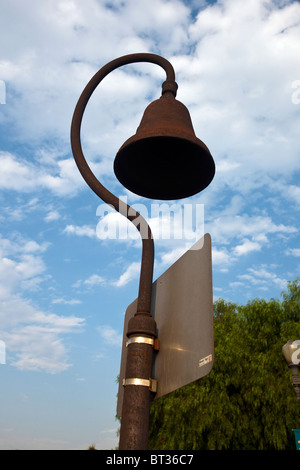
(136, 401)
(295, 379)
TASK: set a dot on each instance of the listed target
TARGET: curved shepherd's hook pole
(144, 298)
(136, 401)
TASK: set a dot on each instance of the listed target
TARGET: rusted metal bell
(165, 159)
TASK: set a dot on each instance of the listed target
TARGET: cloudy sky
(67, 276)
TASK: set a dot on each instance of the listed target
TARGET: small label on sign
(205, 360)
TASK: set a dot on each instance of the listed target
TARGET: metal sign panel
(182, 305)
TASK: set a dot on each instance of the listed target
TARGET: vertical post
(136, 399)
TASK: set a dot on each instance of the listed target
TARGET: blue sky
(63, 289)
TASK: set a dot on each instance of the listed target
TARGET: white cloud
(246, 247)
(225, 228)
(19, 210)
(52, 216)
(66, 302)
(81, 231)
(262, 278)
(94, 280)
(293, 252)
(291, 192)
(15, 174)
(32, 246)
(130, 273)
(32, 337)
(220, 257)
(36, 348)
(24, 273)
(24, 176)
(167, 258)
(110, 335)
(236, 284)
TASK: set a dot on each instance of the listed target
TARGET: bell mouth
(164, 167)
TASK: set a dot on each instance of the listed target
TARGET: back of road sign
(182, 305)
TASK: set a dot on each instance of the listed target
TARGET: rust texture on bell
(164, 159)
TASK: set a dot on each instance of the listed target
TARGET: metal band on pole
(143, 340)
(150, 383)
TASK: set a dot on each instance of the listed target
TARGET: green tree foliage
(92, 447)
(247, 401)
